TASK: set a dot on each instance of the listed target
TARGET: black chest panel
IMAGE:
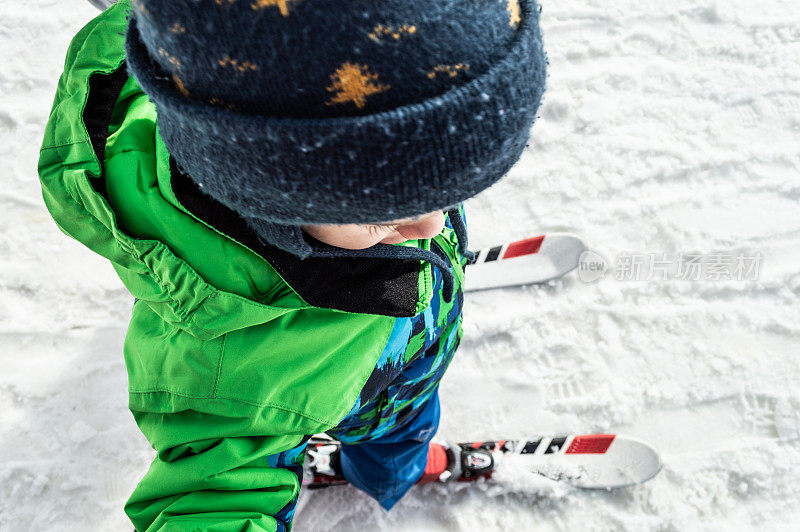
(353, 284)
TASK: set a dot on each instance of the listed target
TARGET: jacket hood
(74, 189)
(190, 260)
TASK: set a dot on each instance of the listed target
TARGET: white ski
(593, 461)
(533, 260)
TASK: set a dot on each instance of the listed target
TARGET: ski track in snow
(667, 127)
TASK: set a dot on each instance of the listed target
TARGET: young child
(279, 183)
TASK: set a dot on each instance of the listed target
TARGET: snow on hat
(294, 112)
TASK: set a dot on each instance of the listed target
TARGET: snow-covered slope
(667, 127)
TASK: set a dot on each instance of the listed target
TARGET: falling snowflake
(353, 83)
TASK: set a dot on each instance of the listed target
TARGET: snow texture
(667, 127)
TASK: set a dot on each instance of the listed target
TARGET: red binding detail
(523, 247)
(590, 444)
(321, 480)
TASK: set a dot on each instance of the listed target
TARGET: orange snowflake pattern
(174, 61)
(138, 4)
(283, 5)
(241, 66)
(395, 32)
(353, 83)
(180, 86)
(448, 70)
(514, 18)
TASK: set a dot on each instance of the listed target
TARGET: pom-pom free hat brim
(388, 165)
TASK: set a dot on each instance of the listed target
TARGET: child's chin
(393, 239)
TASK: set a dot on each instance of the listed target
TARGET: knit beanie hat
(296, 112)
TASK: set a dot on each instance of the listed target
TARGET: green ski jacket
(236, 352)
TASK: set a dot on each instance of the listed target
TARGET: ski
(102, 5)
(529, 261)
(590, 461)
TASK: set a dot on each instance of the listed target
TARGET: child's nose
(428, 226)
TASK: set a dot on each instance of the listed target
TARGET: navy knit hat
(293, 112)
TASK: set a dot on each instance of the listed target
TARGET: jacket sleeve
(224, 461)
(215, 473)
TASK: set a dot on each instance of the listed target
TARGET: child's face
(361, 236)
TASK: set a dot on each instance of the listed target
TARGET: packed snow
(667, 127)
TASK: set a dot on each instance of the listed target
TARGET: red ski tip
(591, 444)
(519, 248)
